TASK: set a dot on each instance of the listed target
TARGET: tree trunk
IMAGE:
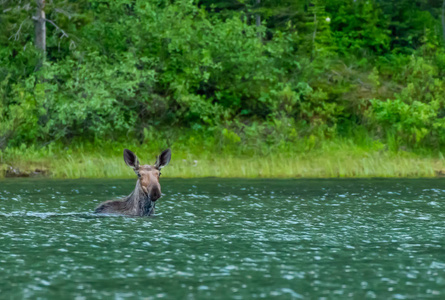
(40, 26)
(314, 35)
(443, 20)
(258, 18)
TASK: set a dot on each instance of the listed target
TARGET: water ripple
(225, 239)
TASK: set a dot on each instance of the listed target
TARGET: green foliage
(312, 70)
(358, 27)
(416, 115)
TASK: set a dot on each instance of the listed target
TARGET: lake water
(225, 239)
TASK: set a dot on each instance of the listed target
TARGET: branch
(17, 34)
(54, 24)
(64, 12)
(26, 7)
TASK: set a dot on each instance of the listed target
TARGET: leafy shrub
(416, 115)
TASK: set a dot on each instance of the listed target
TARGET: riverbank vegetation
(288, 88)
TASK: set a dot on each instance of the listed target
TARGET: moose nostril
(155, 194)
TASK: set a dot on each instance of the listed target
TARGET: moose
(141, 202)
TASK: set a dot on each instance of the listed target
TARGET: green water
(225, 239)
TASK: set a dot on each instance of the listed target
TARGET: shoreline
(300, 165)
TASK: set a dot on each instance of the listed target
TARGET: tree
(443, 19)
(20, 15)
(40, 26)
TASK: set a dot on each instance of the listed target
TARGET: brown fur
(138, 203)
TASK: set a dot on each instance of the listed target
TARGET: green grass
(339, 158)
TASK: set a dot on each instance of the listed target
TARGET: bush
(416, 115)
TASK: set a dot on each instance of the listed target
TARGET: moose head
(148, 175)
(141, 202)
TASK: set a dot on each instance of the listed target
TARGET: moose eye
(139, 175)
(159, 174)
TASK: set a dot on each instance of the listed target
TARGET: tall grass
(336, 158)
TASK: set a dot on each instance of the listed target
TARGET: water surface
(225, 239)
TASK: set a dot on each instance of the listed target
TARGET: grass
(340, 158)
(276, 166)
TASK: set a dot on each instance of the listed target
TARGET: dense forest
(250, 75)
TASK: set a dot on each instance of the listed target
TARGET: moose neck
(139, 202)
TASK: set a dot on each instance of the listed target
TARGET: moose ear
(131, 159)
(163, 159)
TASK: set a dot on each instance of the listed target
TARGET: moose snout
(155, 194)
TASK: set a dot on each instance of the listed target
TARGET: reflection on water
(225, 239)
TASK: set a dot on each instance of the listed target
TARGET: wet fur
(138, 203)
